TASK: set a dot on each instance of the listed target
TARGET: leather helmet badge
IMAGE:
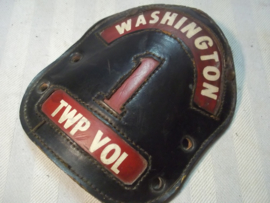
(129, 109)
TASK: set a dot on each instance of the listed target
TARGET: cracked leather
(167, 118)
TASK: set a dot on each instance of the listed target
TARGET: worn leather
(155, 120)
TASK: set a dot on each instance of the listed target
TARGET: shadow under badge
(129, 109)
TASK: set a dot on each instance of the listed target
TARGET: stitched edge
(104, 106)
(227, 120)
(191, 103)
(198, 152)
(146, 81)
(101, 115)
(57, 157)
(82, 39)
(219, 45)
(120, 81)
(72, 48)
(70, 168)
(224, 85)
(79, 149)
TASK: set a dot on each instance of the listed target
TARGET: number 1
(131, 84)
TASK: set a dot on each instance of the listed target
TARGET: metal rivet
(158, 184)
(187, 143)
(75, 57)
(43, 87)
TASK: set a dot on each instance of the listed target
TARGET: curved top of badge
(129, 109)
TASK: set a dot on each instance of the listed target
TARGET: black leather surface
(157, 118)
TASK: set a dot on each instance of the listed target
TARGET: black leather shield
(129, 109)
